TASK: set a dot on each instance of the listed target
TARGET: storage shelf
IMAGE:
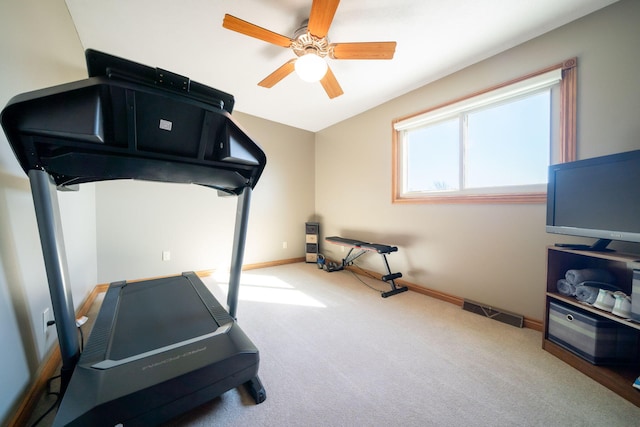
(312, 241)
(618, 378)
(594, 310)
(611, 256)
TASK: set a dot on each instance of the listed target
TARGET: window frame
(566, 152)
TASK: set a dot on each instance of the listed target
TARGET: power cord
(365, 273)
(49, 393)
(79, 322)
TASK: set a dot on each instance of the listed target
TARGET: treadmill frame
(227, 160)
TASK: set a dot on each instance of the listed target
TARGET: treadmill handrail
(104, 128)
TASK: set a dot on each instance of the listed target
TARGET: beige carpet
(334, 353)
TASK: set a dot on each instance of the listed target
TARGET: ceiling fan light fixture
(311, 45)
(310, 67)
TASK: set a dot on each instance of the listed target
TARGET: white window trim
(565, 73)
(523, 87)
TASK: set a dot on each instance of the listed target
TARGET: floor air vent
(493, 313)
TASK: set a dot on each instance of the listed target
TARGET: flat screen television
(597, 198)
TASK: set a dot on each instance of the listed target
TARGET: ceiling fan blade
(320, 17)
(232, 23)
(331, 85)
(279, 74)
(364, 50)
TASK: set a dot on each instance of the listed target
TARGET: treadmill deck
(158, 348)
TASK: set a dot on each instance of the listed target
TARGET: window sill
(522, 198)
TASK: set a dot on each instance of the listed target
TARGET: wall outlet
(284, 245)
(46, 316)
(166, 255)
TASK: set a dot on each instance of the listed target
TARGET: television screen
(597, 198)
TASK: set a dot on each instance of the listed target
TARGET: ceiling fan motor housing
(304, 41)
(310, 43)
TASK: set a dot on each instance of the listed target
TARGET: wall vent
(493, 313)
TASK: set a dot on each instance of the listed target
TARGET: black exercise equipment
(159, 347)
(359, 248)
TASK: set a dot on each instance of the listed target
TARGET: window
(493, 146)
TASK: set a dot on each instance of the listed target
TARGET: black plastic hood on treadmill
(103, 64)
(121, 124)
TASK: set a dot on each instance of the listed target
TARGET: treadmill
(158, 347)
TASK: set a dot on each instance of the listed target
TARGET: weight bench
(357, 249)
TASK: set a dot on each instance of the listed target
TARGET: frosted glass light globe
(311, 67)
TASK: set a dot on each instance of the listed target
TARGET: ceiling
(434, 38)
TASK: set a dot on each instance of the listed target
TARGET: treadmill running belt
(173, 357)
(156, 314)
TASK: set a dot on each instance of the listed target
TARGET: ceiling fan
(311, 46)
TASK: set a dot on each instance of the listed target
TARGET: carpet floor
(334, 353)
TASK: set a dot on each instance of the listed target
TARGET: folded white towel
(576, 277)
(566, 288)
(587, 294)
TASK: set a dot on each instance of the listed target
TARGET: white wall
(133, 222)
(340, 177)
(39, 48)
(490, 253)
(137, 221)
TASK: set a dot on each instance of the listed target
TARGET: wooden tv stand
(618, 378)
